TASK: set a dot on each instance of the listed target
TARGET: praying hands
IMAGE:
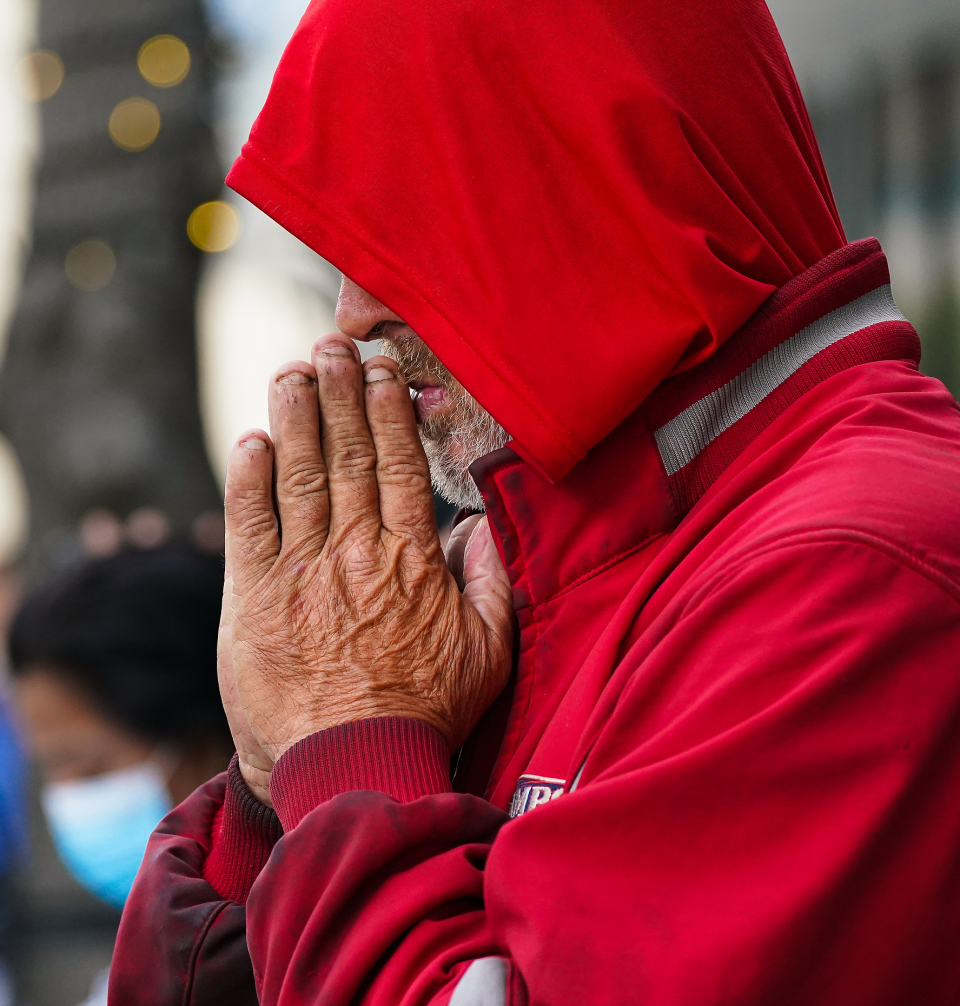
(339, 604)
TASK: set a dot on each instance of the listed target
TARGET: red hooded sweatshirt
(727, 767)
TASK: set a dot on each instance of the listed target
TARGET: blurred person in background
(115, 674)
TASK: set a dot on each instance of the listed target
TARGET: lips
(428, 399)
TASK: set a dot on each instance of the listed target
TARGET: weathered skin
(339, 604)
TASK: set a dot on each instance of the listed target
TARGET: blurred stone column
(98, 392)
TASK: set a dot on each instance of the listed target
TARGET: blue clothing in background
(13, 816)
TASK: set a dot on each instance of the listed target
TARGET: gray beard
(450, 454)
(452, 443)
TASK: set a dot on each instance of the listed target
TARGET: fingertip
(294, 372)
(375, 373)
(456, 547)
(255, 444)
(481, 530)
(250, 458)
(381, 363)
(254, 440)
(335, 344)
(248, 494)
(481, 556)
(384, 388)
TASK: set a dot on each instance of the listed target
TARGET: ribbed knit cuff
(244, 835)
(406, 759)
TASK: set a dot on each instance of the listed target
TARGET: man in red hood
(680, 723)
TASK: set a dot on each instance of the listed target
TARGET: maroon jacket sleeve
(182, 942)
(391, 860)
(769, 815)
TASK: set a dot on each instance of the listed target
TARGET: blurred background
(142, 307)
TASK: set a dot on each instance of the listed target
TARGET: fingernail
(377, 374)
(335, 349)
(294, 377)
(255, 444)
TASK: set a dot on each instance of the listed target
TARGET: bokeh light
(100, 533)
(207, 532)
(90, 265)
(147, 527)
(134, 124)
(40, 74)
(214, 226)
(163, 60)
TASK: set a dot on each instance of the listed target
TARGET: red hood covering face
(567, 199)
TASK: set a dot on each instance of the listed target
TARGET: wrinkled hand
(255, 764)
(342, 606)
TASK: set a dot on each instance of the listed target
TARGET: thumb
(485, 582)
(456, 546)
(225, 668)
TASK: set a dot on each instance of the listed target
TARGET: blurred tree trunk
(98, 392)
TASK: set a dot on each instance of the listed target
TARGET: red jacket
(727, 769)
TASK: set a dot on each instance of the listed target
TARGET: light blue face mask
(100, 825)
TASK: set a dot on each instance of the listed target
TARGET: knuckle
(403, 476)
(304, 480)
(240, 499)
(353, 456)
(247, 513)
(254, 525)
(395, 460)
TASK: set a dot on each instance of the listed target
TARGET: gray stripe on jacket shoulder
(687, 434)
(484, 983)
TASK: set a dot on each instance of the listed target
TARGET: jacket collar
(638, 483)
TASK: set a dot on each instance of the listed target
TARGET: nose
(358, 311)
